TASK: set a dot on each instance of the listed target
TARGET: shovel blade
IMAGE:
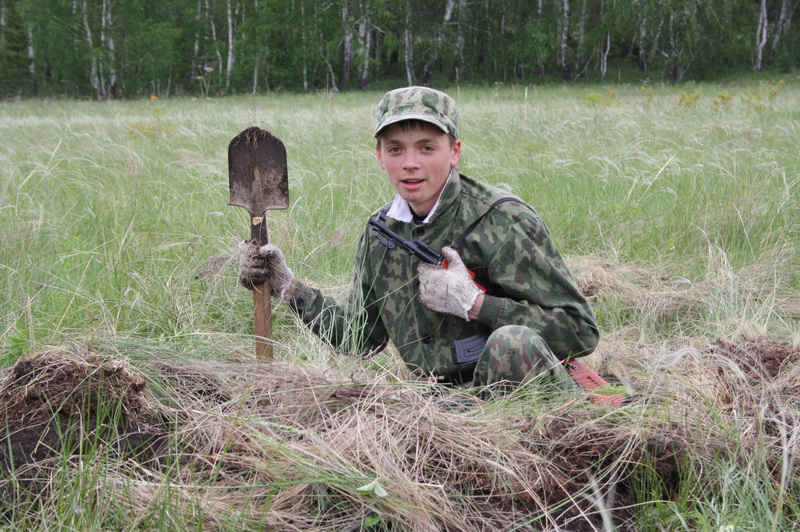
(257, 170)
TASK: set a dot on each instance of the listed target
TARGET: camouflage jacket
(511, 247)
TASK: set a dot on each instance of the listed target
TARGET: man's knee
(516, 354)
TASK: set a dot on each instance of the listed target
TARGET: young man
(441, 322)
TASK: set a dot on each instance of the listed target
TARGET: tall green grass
(109, 210)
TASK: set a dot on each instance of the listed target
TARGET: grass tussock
(278, 446)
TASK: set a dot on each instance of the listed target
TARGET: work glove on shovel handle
(258, 264)
(451, 290)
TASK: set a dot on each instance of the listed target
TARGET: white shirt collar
(401, 212)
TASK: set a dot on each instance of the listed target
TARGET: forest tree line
(127, 48)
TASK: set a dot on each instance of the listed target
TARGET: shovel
(259, 182)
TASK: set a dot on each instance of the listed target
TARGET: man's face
(417, 162)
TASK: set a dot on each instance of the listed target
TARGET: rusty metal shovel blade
(259, 181)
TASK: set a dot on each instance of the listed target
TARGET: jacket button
(428, 339)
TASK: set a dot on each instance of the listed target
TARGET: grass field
(128, 344)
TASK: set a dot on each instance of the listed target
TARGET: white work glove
(450, 291)
(265, 263)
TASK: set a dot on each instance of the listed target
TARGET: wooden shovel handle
(262, 313)
(262, 302)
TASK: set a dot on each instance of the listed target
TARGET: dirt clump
(57, 402)
(759, 357)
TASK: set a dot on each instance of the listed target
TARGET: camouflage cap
(417, 103)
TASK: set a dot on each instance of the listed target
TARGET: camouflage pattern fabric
(417, 103)
(511, 247)
(516, 355)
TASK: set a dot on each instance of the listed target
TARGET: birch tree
(108, 44)
(364, 34)
(231, 48)
(761, 36)
(438, 44)
(783, 26)
(408, 45)
(347, 44)
(563, 40)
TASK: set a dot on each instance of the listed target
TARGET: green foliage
(110, 49)
(15, 345)
(722, 100)
(593, 99)
(373, 488)
(13, 53)
(156, 126)
(688, 100)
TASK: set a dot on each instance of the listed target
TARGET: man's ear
(456, 154)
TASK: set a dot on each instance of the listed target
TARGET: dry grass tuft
(652, 292)
(291, 447)
(285, 446)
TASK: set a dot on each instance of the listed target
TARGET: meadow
(128, 350)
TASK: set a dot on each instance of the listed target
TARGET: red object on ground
(590, 381)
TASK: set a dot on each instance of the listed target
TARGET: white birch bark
(643, 25)
(231, 51)
(107, 41)
(94, 78)
(364, 45)
(783, 25)
(31, 55)
(408, 46)
(196, 46)
(254, 90)
(582, 33)
(761, 36)
(214, 39)
(563, 39)
(347, 44)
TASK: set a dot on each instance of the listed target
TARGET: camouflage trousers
(516, 355)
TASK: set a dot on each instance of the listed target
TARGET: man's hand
(265, 263)
(450, 290)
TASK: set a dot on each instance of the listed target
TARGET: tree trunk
(458, 53)
(331, 74)
(642, 40)
(408, 48)
(783, 25)
(196, 47)
(761, 37)
(31, 61)
(107, 40)
(214, 39)
(304, 43)
(94, 76)
(364, 46)
(582, 34)
(347, 44)
(231, 51)
(439, 45)
(563, 38)
(604, 62)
